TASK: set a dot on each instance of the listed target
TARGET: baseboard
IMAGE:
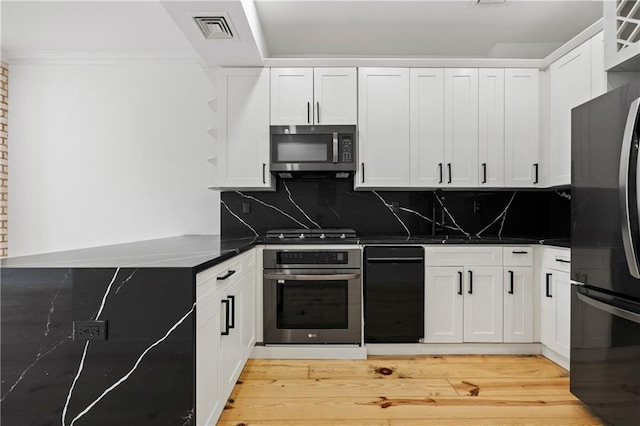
(454, 349)
(309, 352)
(554, 356)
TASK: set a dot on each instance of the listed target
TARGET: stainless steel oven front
(312, 296)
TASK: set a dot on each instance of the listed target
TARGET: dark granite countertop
(203, 251)
(188, 251)
(427, 240)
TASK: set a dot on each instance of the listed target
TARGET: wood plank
(520, 421)
(378, 422)
(286, 389)
(461, 359)
(511, 386)
(302, 409)
(277, 370)
(403, 370)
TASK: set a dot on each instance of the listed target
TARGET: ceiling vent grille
(215, 27)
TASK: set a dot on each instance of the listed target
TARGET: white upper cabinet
(291, 96)
(570, 78)
(491, 127)
(335, 96)
(243, 152)
(427, 127)
(622, 49)
(521, 145)
(461, 127)
(383, 117)
(309, 96)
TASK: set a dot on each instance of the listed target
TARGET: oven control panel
(312, 258)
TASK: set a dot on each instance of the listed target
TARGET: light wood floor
(390, 391)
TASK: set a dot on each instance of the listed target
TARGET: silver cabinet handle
(318, 111)
(309, 112)
(629, 196)
(264, 176)
(614, 310)
(311, 277)
(335, 147)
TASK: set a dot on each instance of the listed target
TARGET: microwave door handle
(628, 190)
(335, 147)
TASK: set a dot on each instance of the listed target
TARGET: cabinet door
(291, 96)
(521, 165)
(562, 288)
(547, 308)
(483, 304)
(427, 127)
(443, 304)
(383, 126)
(335, 96)
(570, 86)
(231, 345)
(461, 127)
(491, 127)
(243, 157)
(249, 311)
(518, 305)
(209, 402)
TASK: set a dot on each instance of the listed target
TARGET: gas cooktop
(311, 235)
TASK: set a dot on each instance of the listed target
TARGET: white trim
(585, 35)
(554, 356)
(404, 62)
(16, 57)
(454, 349)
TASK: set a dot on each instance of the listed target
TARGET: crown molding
(404, 62)
(16, 57)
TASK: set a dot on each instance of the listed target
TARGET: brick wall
(4, 155)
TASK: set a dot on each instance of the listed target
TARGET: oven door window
(312, 304)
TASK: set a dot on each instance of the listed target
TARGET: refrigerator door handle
(613, 310)
(628, 189)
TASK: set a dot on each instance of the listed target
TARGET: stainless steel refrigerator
(605, 255)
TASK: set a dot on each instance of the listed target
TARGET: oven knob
(312, 335)
(342, 237)
(322, 236)
(281, 236)
(301, 236)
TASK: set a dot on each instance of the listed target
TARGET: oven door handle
(312, 277)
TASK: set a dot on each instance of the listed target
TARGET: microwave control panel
(346, 149)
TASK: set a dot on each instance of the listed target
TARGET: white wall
(104, 154)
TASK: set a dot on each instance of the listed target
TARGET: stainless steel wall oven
(312, 296)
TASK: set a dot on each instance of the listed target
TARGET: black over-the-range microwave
(320, 148)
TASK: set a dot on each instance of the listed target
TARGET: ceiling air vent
(215, 27)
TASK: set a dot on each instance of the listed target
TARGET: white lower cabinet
(208, 402)
(444, 304)
(555, 311)
(518, 304)
(483, 304)
(463, 303)
(225, 332)
(483, 301)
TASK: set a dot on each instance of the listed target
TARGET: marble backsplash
(332, 203)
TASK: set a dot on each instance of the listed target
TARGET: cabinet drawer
(556, 258)
(463, 256)
(217, 278)
(518, 256)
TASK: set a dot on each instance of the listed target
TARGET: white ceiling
(298, 28)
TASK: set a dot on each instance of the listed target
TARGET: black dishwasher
(393, 294)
